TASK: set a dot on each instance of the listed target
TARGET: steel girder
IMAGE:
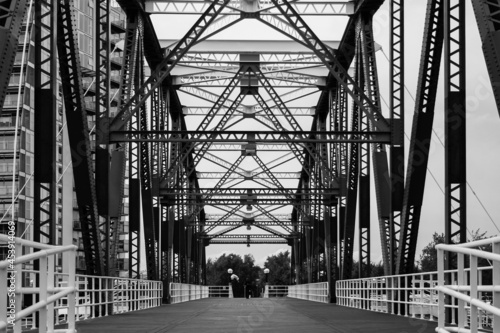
(421, 133)
(294, 137)
(76, 116)
(313, 8)
(364, 177)
(389, 232)
(128, 80)
(183, 154)
(251, 174)
(248, 242)
(47, 102)
(146, 188)
(334, 65)
(247, 110)
(396, 106)
(455, 123)
(110, 224)
(236, 236)
(266, 213)
(349, 220)
(163, 69)
(487, 17)
(239, 223)
(218, 60)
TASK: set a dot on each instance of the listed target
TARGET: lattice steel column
(455, 123)
(349, 222)
(145, 175)
(381, 170)
(364, 201)
(46, 105)
(420, 141)
(76, 116)
(102, 106)
(397, 109)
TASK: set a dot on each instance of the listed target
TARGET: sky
(483, 121)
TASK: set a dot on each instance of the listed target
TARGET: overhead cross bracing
(259, 115)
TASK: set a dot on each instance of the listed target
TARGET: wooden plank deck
(241, 315)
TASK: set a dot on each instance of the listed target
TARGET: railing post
(42, 327)
(441, 311)
(460, 281)
(71, 284)
(473, 293)
(18, 271)
(4, 299)
(496, 282)
(50, 284)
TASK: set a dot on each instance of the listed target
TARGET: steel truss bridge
(243, 100)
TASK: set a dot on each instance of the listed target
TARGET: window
(28, 190)
(28, 168)
(11, 100)
(29, 210)
(8, 121)
(29, 142)
(7, 166)
(6, 187)
(85, 24)
(85, 43)
(15, 78)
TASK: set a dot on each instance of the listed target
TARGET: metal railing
(101, 296)
(275, 291)
(473, 310)
(12, 313)
(220, 291)
(410, 295)
(181, 292)
(317, 292)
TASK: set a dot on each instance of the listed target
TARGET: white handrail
(11, 269)
(276, 291)
(182, 292)
(316, 292)
(471, 309)
(476, 243)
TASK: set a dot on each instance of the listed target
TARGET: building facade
(17, 150)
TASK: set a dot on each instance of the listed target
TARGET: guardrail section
(12, 310)
(64, 298)
(275, 291)
(316, 292)
(181, 292)
(418, 295)
(477, 305)
(220, 291)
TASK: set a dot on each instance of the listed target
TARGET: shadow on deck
(254, 315)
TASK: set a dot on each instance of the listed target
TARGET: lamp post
(266, 271)
(266, 288)
(231, 292)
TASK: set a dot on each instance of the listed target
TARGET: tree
(279, 267)
(375, 269)
(244, 268)
(428, 258)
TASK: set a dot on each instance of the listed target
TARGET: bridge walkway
(239, 315)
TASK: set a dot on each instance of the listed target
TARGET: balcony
(118, 26)
(116, 61)
(7, 122)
